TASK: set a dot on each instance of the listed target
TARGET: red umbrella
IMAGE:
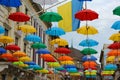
(63, 50)
(50, 60)
(92, 68)
(86, 14)
(12, 59)
(19, 17)
(115, 45)
(12, 47)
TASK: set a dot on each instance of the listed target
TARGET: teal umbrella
(51, 17)
(116, 11)
(88, 51)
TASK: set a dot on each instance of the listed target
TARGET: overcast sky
(103, 24)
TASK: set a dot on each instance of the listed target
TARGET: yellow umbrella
(23, 65)
(87, 30)
(45, 71)
(59, 42)
(110, 59)
(53, 64)
(27, 29)
(67, 62)
(25, 59)
(75, 74)
(6, 39)
(115, 37)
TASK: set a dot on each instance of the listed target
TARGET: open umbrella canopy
(62, 50)
(51, 17)
(6, 55)
(114, 53)
(86, 14)
(115, 45)
(107, 73)
(116, 11)
(87, 30)
(2, 50)
(72, 70)
(88, 51)
(19, 17)
(87, 58)
(60, 68)
(88, 43)
(67, 62)
(116, 25)
(6, 39)
(38, 45)
(30, 63)
(50, 59)
(17, 63)
(115, 37)
(65, 58)
(59, 42)
(45, 71)
(53, 64)
(25, 59)
(69, 66)
(12, 47)
(27, 29)
(2, 30)
(89, 64)
(12, 59)
(11, 3)
(110, 67)
(110, 59)
(35, 67)
(55, 31)
(32, 38)
(43, 51)
(46, 56)
(19, 54)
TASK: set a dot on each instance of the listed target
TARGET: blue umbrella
(59, 68)
(88, 43)
(30, 63)
(2, 30)
(85, 0)
(32, 38)
(2, 50)
(69, 66)
(91, 58)
(43, 51)
(116, 25)
(35, 67)
(55, 31)
(72, 70)
(11, 3)
(110, 67)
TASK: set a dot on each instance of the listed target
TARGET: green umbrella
(88, 51)
(18, 63)
(51, 17)
(38, 45)
(116, 11)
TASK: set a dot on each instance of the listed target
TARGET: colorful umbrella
(12, 59)
(87, 30)
(86, 14)
(89, 64)
(36, 67)
(59, 42)
(59, 68)
(62, 50)
(55, 31)
(19, 54)
(43, 51)
(53, 64)
(67, 63)
(2, 50)
(88, 43)
(69, 66)
(46, 56)
(30, 63)
(17, 63)
(2, 30)
(115, 37)
(32, 38)
(6, 39)
(7, 55)
(11, 3)
(45, 71)
(27, 29)
(51, 17)
(114, 53)
(65, 58)
(115, 45)
(50, 59)
(107, 73)
(12, 47)
(38, 45)
(72, 70)
(116, 25)
(116, 11)
(25, 59)
(19, 17)
(110, 59)
(88, 51)
(87, 58)
(110, 67)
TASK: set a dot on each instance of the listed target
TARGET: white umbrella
(45, 2)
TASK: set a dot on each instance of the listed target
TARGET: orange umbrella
(89, 64)
(19, 54)
(50, 59)
(6, 55)
(65, 58)
(46, 56)
(114, 53)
